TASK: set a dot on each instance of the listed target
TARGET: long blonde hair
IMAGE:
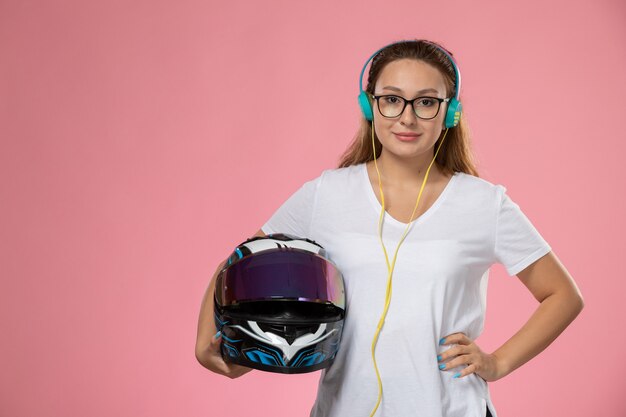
(455, 154)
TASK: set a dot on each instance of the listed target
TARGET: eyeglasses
(424, 107)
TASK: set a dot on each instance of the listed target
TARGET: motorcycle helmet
(280, 305)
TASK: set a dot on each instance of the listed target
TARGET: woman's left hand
(485, 365)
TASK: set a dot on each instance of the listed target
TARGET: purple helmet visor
(283, 274)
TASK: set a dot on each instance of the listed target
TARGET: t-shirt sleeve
(295, 214)
(517, 242)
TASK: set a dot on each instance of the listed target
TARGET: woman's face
(409, 78)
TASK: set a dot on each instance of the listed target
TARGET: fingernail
(217, 334)
(442, 340)
(443, 365)
(439, 357)
(458, 374)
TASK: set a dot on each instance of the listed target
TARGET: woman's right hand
(212, 359)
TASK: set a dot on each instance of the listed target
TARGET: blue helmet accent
(263, 358)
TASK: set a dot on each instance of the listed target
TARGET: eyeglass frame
(439, 100)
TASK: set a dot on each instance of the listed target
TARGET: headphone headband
(457, 73)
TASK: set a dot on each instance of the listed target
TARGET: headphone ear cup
(453, 115)
(366, 106)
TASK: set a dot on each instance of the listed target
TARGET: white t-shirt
(439, 288)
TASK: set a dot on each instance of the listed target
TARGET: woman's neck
(406, 173)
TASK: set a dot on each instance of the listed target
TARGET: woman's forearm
(206, 322)
(552, 316)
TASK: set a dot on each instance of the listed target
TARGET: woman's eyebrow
(426, 90)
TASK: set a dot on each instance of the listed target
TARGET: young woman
(408, 184)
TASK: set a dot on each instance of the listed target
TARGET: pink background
(141, 141)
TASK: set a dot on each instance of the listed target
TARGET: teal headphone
(454, 105)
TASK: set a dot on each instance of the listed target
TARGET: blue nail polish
(458, 374)
(439, 357)
(442, 340)
(217, 335)
(443, 365)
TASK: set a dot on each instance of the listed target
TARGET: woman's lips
(406, 138)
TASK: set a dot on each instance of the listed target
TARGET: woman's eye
(426, 102)
(392, 100)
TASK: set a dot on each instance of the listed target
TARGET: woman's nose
(408, 116)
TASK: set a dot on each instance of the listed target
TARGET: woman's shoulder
(474, 180)
(332, 178)
(473, 185)
(342, 174)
